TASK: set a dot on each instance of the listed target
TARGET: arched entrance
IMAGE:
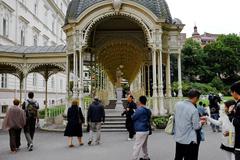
(134, 38)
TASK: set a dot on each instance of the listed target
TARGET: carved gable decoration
(117, 5)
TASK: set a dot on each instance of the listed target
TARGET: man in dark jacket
(30, 106)
(235, 117)
(95, 116)
(141, 121)
(129, 112)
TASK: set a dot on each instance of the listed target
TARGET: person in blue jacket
(141, 120)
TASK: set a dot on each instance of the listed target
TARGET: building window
(35, 40)
(53, 24)
(86, 89)
(61, 34)
(44, 83)
(4, 27)
(46, 16)
(45, 42)
(35, 7)
(61, 84)
(22, 37)
(34, 79)
(3, 80)
(52, 83)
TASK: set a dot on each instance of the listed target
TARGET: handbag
(170, 125)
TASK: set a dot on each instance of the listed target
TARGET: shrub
(160, 122)
(186, 86)
(218, 84)
(204, 88)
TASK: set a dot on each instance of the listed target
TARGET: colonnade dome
(157, 7)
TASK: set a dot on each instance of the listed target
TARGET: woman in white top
(227, 130)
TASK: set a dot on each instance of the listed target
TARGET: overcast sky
(214, 16)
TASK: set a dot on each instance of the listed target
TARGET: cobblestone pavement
(53, 146)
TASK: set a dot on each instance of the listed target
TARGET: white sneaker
(130, 139)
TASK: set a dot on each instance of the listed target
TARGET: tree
(223, 57)
(193, 65)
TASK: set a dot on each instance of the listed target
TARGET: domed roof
(158, 7)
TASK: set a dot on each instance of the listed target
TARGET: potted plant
(160, 122)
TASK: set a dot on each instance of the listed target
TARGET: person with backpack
(31, 108)
(141, 120)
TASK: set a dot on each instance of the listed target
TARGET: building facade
(32, 23)
(204, 38)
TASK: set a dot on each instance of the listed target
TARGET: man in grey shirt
(186, 123)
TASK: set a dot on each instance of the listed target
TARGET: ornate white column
(81, 78)
(148, 82)
(67, 85)
(79, 67)
(25, 75)
(75, 73)
(144, 79)
(160, 84)
(179, 75)
(168, 76)
(155, 105)
(75, 77)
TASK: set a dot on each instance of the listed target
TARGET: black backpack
(31, 109)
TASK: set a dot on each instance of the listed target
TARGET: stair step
(114, 123)
(113, 130)
(115, 116)
(113, 126)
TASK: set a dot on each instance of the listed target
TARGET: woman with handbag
(74, 126)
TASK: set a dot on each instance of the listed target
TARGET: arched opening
(118, 42)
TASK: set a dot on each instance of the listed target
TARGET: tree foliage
(223, 57)
(193, 65)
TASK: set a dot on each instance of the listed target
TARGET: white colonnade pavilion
(137, 37)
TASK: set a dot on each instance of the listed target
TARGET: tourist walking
(129, 111)
(187, 121)
(141, 120)
(74, 125)
(234, 117)
(14, 121)
(95, 116)
(227, 129)
(214, 110)
(31, 108)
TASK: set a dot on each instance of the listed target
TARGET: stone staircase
(112, 104)
(114, 122)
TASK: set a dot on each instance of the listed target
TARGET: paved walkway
(52, 146)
